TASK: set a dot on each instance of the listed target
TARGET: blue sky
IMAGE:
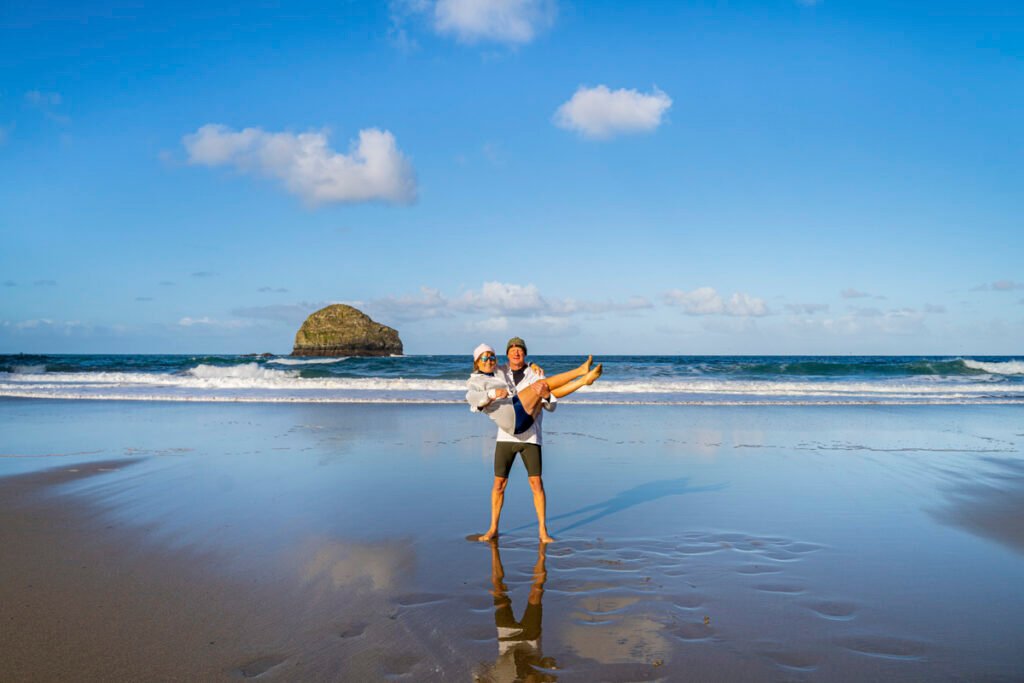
(653, 177)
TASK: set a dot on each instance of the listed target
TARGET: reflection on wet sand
(990, 503)
(381, 566)
(520, 657)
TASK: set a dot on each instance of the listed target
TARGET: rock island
(341, 330)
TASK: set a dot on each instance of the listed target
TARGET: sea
(428, 379)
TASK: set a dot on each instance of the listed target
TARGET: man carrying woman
(514, 396)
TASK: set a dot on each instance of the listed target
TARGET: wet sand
(311, 542)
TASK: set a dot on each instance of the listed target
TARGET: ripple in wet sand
(353, 630)
(259, 666)
(886, 647)
(755, 569)
(793, 660)
(787, 588)
(836, 610)
(417, 599)
(692, 601)
(693, 631)
(398, 665)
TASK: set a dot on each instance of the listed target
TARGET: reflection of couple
(512, 395)
(519, 647)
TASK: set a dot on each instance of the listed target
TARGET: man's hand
(538, 369)
(542, 389)
(500, 393)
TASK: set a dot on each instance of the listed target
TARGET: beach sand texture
(305, 542)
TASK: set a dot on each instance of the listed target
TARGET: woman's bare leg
(558, 385)
(564, 378)
(585, 380)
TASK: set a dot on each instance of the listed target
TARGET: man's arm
(550, 402)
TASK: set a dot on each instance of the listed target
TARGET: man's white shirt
(533, 434)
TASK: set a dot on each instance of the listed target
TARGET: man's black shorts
(505, 455)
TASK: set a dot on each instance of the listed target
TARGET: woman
(488, 393)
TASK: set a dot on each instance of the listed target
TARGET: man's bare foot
(546, 538)
(592, 376)
(585, 368)
(489, 536)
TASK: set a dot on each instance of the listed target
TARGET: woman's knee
(536, 484)
(500, 483)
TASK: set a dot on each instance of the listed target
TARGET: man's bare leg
(540, 502)
(497, 501)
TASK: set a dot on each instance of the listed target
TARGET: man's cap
(516, 341)
(479, 351)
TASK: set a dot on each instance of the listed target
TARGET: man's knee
(536, 484)
(499, 484)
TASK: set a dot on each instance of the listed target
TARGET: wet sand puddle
(700, 606)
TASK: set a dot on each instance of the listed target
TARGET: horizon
(791, 178)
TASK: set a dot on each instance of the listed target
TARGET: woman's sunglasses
(488, 359)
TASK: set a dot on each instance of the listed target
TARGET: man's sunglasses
(488, 359)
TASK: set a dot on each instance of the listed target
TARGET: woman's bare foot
(592, 376)
(489, 536)
(546, 538)
(585, 368)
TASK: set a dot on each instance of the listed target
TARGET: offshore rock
(341, 330)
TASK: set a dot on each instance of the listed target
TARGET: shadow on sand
(644, 493)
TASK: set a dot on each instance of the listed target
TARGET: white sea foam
(28, 369)
(236, 372)
(1011, 367)
(307, 361)
(251, 382)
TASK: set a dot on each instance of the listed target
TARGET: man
(519, 375)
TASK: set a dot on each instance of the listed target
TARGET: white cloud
(602, 113)
(288, 313)
(806, 309)
(489, 325)
(374, 169)
(210, 323)
(745, 305)
(47, 325)
(701, 301)
(851, 293)
(47, 102)
(707, 301)
(430, 303)
(503, 298)
(38, 98)
(1007, 285)
(934, 308)
(498, 302)
(861, 321)
(501, 21)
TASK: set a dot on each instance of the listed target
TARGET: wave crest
(1011, 367)
(246, 371)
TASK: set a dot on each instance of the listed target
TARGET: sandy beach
(193, 541)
